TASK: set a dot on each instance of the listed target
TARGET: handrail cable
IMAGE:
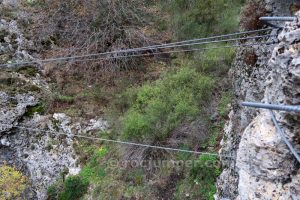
(283, 137)
(176, 51)
(118, 141)
(131, 51)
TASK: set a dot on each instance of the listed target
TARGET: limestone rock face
(14, 42)
(9, 113)
(264, 167)
(40, 146)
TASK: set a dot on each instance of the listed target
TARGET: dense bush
(161, 106)
(12, 183)
(194, 19)
(204, 173)
(54, 190)
(74, 188)
(215, 61)
(200, 183)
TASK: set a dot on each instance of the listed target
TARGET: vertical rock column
(266, 168)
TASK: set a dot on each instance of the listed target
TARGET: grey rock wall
(44, 150)
(39, 154)
(264, 168)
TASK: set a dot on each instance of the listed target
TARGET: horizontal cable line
(120, 142)
(133, 50)
(200, 39)
(210, 42)
(287, 108)
(207, 38)
(283, 137)
(175, 51)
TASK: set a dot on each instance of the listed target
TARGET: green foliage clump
(65, 98)
(215, 61)
(39, 108)
(74, 188)
(200, 184)
(161, 106)
(194, 19)
(12, 183)
(30, 71)
(223, 104)
(204, 173)
(94, 170)
(54, 190)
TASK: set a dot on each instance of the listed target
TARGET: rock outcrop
(13, 42)
(264, 167)
(40, 146)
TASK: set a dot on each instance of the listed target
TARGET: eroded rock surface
(10, 113)
(40, 146)
(264, 166)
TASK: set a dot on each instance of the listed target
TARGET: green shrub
(54, 190)
(161, 106)
(215, 61)
(194, 19)
(29, 70)
(65, 98)
(93, 169)
(200, 182)
(223, 104)
(12, 182)
(204, 173)
(74, 188)
(39, 108)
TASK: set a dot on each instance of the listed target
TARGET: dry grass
(251, 13)
(250, 57)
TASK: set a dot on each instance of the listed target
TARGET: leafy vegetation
(204, 174)
(200, 182)
(12, 182)
(194, 19)
(161, 106)
(223, 104)
(29, 71)
(39, 108)
(152, 101)
(215, 61)
(65, 98)
(75, 187)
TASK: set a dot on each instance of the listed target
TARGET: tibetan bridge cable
(134, 50)
(120, 142)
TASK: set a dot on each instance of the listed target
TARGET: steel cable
(131, 51)
(119, 141)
